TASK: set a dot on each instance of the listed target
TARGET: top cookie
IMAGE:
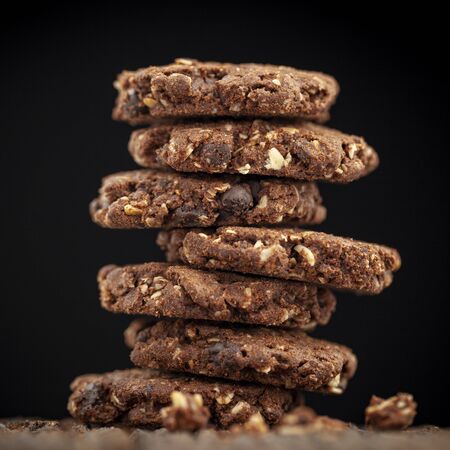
(190, 88)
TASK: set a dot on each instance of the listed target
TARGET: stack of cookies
(231, 154)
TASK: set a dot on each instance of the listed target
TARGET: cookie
(135, 397)
(277, 357)
(299, 150)
(152, 199)
(190, 88)
(311, 256)
(161, 290)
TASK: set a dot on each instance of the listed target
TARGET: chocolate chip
(238, 199)
(186, 216)
(215, 155)
(223, 353)
(255, 187)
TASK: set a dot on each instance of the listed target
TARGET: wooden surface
(67, 435)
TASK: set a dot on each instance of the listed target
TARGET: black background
(57, 140)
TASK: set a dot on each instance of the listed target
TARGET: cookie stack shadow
(231, 154)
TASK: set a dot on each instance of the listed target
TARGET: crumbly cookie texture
(171, 243)
(395, 413)
(311, 256)
(190, 88)
(277, 357)
(135, 397)
(153, 199)
(300, 150)
(302, 420)
(163, 290)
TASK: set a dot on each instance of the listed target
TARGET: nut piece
(394, 413)
(149, 101)
(184, 61)
(306, 253)
(244, 170)
(258, 244)
(255, 425)
(334, 386)
(187, 413)
(266, 253)
(159, 282)
(225, 398)
(155, 295)
(276, 160)
(239, 407)
(290, 130)
(130, 210)
(302, 420)
(187, 150)
(265, 369)
(351, 150)
(262, 202)
(143, 288)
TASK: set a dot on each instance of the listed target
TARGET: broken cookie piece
(394, 413)
(186, 413)
(303, 419)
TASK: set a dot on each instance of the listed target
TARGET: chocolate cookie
(311, 256)
(286, 358)
(190, 88)
(299, 150)
(151, 199)
(160, 290)
(135, 397)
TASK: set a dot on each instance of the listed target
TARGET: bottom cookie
(135, 397)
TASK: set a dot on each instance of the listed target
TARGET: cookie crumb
(254, 425)
(395, 413)
(187, 413)
(302, 420)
